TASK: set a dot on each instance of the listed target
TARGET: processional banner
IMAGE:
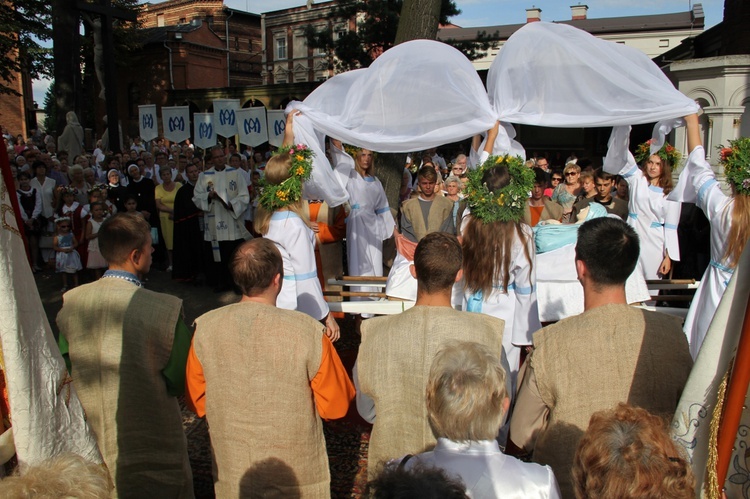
(225, 116)
(176, 122)
(204, 135)
(148, 125)
(252, 126)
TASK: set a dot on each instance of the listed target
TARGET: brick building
(239, 31)
(287, 57)
(17, 112)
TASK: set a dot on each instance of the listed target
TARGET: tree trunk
(65, 48)
(419, 19)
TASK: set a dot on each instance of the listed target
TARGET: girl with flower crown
(651, 214)
(499, 258)
(280, 218)
(729, 217)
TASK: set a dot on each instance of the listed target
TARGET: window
(664, 43)
(300, 46)
(160, 20)
(236, 43)
(280, 48)
(210, 20)
(182, 20)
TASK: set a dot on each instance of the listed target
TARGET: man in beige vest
(420, 216)
(396, 353)
(611, 353)
(264, 377)
(128, 347)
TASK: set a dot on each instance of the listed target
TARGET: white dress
(300, 289)
(370, 221)
(517, 306)
(488, 473)
(653, 217)
(698, 184)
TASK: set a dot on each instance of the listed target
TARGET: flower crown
(276, 196)
(61, 219)
(667, 153)
(69, 189)
(736, 162)
(97, 187)
(507, 204)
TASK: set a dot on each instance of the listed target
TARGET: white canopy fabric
(424, 93)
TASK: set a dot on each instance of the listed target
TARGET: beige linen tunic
(441, 209)
(592, 362)
(393, 367)
(266, 435)
(120, 338)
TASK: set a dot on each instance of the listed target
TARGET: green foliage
(24, 24)
(376, 32)
(50, 109)
(736, 162)
(506, 204)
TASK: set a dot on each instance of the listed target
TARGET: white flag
(252, 126)
(47, 416)
(176, 122)
(225, 116)
(147, 122)
(204, 135)
(276, 127)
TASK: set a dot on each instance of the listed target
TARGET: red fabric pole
(736, 392)
(10, 184)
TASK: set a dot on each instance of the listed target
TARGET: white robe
(653, 217)
(517, 306)
(488, 473)
(370, 221)
(698, 184)
(222, 224)
(300, 289)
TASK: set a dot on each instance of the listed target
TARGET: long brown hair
(665, 179)
(487, 253)
(739, 230)
(277, 170)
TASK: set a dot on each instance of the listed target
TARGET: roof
(631, 24)
(161, 34)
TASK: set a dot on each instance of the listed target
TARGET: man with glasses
(221, 192)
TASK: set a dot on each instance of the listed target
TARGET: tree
(24, 24)
(50, 109)
(376, 29)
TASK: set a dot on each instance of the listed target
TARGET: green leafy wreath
(667, 153)
(276, 196)
(736, 162)
(507, 204)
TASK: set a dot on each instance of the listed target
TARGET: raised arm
(693, 132)
(289, 129)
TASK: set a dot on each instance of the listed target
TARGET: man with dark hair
(420, 216)
(128, 348)
(264, 377)
(539, 207)
(611, 353)
(605, 182)
(396, 352)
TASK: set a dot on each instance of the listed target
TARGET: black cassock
(188, 252)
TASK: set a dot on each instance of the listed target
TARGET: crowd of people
(444, 388)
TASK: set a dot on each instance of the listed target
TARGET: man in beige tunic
(611, 353)
(420, 216)
(396, 353)
(128, 347)
(264, 377)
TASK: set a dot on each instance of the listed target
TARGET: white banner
(276, 127)
(252, 126)
(204, 135)
(225, 116)
(148, 123)
(176, 122)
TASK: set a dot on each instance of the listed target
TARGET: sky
(496, 12)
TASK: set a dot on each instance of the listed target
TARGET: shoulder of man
(287, 319)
